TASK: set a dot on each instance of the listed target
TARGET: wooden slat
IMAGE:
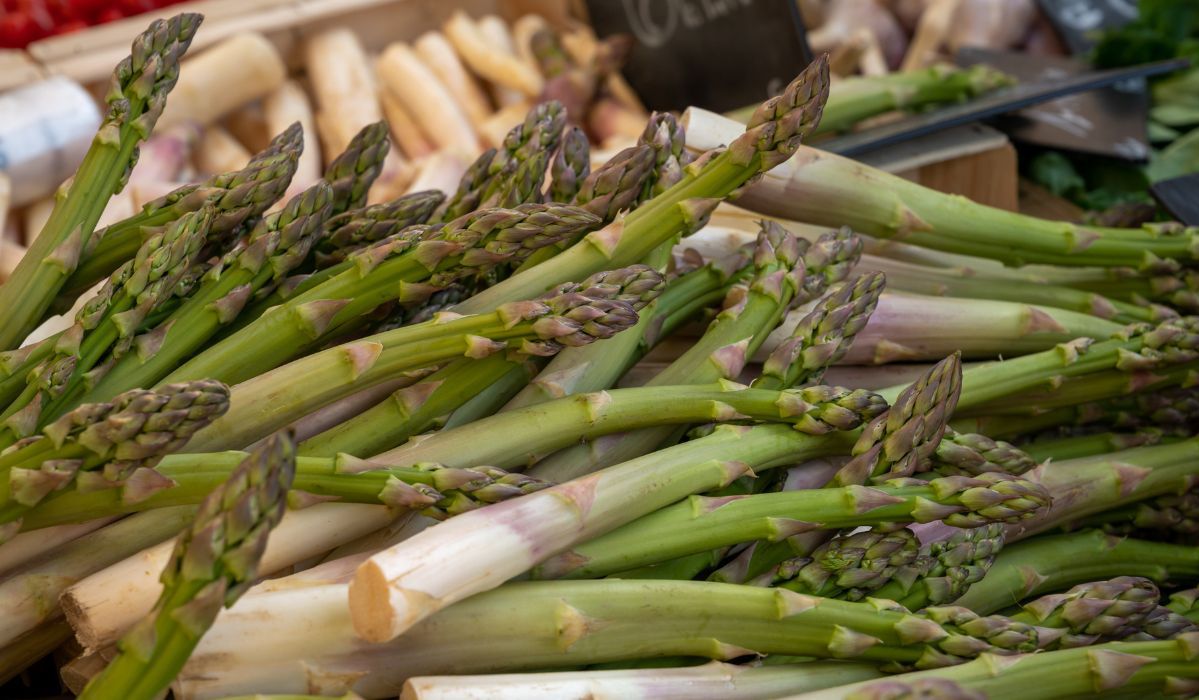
(17, 69)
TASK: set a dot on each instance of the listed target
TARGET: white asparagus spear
(440, 171)
(31, 596)
(405, 132)
(285, 106)
(104, 605)
(495, 31)
(496, 63)
(407, 78)
(220, 152)
(205, 92)
(10, 254)
(27, 546)
(714, 680)
(523, 31)
(437, 53)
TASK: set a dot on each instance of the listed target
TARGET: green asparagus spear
(214, 562)
(136, 97)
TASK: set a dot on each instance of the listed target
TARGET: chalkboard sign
(1109, 121)
(1080, 21)
(715, 54)
(1180, 197)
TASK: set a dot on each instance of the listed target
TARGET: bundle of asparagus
(677, 432)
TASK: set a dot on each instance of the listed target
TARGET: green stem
(970, 284)
(503, 439)
(704, 523)
(1115, 669)
(838, 191)
(136, 99)
(1053, 563)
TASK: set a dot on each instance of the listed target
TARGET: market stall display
(442, 369)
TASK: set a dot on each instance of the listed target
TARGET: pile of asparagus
(572, 432)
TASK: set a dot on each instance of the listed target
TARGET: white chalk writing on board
(654, 22)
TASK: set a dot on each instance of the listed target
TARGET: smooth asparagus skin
(502, 440)
(214, 562)
(709, 681)
(414, 409)
(572, 315)
(837, 191)
(1119, 669)
(704, 523)
(1056, 562)
(433, 490)
(383, 602)
(136, 97)
(567, 623)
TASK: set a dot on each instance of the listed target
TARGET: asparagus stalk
(572, 315)
(703, 523)
(772, 136)
(1176, 513)
(971, 284)
(1169, 410)
(972, 453)
(106, 324)
(355, 229)
(278, 243)
(215, 561)
(1055, 562)
(946, 568)
(1185, 603)
(1126, 669)
(109, 602)
(1166, 346)
(711, 681)
(838, 191)
(400, 586)
(822, 337)
(136, 97)
(106, 445)
(894, 444)
(858, 98)
(432, 490)
(238, 197)
(850, 566)
(751, 312)
(414, 409)
(596, 367)
(571, 166)
(1091, 444)
(1083, 487)
(355, 169)
(917, 328)
(502, 440)
(29, 597)
(538, 133)
(1122, 608)
(628, 178)
(384, 272)
(554, 624)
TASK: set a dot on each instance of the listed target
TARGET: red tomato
(71, 26)
(16, 30)
(109, 14)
